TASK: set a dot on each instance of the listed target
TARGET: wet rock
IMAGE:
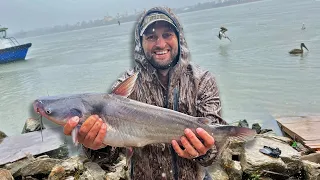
(39, 166)
(69, 167)
(256, 127)
(5, 174)
(32, 125)
(314, 157)
(217, 172)
(16, 166)
(32, 166)
(312, 170)
(61, 153)
(243, 123)
(119, 170)
(2, 135)
(29, 178)
(93, 172)
(287, 165)
(231, 158)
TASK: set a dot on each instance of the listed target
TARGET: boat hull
(14, 53)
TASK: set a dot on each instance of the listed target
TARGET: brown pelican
(298, 51)
(222, 33)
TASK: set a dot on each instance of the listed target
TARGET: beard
(162, 66)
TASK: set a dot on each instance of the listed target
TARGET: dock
(303, 129)
(17, 147)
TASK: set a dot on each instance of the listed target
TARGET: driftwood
(17, 147)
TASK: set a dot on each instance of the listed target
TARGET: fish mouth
(39, 109)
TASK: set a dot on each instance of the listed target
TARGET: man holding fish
(143, 111)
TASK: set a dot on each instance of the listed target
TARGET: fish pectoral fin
(129, 153)
(74, 135)
(126, 87)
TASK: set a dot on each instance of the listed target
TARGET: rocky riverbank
(238, 161)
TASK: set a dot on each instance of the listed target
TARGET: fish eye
(48, 111)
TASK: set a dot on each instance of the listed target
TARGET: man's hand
(193, 147)
(91, 133)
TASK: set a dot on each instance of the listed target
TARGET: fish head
(59, 109)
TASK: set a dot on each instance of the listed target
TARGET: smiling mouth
(161, 52)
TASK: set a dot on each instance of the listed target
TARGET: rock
(5, 174)
(39, 166)
(72, 166)
(231, 157)
(32, 125)
(61, 153)
(314, 157)
(312, 170)
(29, 178)
(217, 172)
(265, 131)
(32, 166)
(2, 135)
(119, 170)
(243, 123)
(16, 166)
(286, 166)
(105, 157)
(93, 172)
(256, 127)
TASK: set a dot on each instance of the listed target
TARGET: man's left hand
(193, 147)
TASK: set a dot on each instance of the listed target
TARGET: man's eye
(167, 35)
(150, 38)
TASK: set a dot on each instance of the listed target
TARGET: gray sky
(30, 14)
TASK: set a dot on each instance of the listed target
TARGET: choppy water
(257, 77)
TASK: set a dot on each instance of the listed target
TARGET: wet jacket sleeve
(209, 105)
(208, 100)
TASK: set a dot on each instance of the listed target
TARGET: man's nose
(160, 42)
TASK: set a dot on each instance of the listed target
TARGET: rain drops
(163, 175)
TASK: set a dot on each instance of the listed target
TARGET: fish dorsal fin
(126, 87)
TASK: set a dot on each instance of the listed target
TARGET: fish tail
(223, 132)
(235, 132)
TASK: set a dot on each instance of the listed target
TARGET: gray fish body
(132, 123)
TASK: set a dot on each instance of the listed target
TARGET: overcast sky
(30, 14)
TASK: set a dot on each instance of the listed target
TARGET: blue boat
(10, 49)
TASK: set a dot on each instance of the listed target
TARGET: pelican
(298, 51)
(222, 33)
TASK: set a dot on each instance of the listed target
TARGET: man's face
(160, 44)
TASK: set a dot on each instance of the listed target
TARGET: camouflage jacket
(191, 90)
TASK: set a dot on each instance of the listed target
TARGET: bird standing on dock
(299, 51)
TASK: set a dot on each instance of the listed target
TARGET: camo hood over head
(139, 55)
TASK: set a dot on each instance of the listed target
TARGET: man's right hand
(91, 133)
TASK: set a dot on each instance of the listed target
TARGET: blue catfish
(131, 123)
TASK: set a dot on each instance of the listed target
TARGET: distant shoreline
(130, 18)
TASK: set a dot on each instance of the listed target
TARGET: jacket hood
(139, 55)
